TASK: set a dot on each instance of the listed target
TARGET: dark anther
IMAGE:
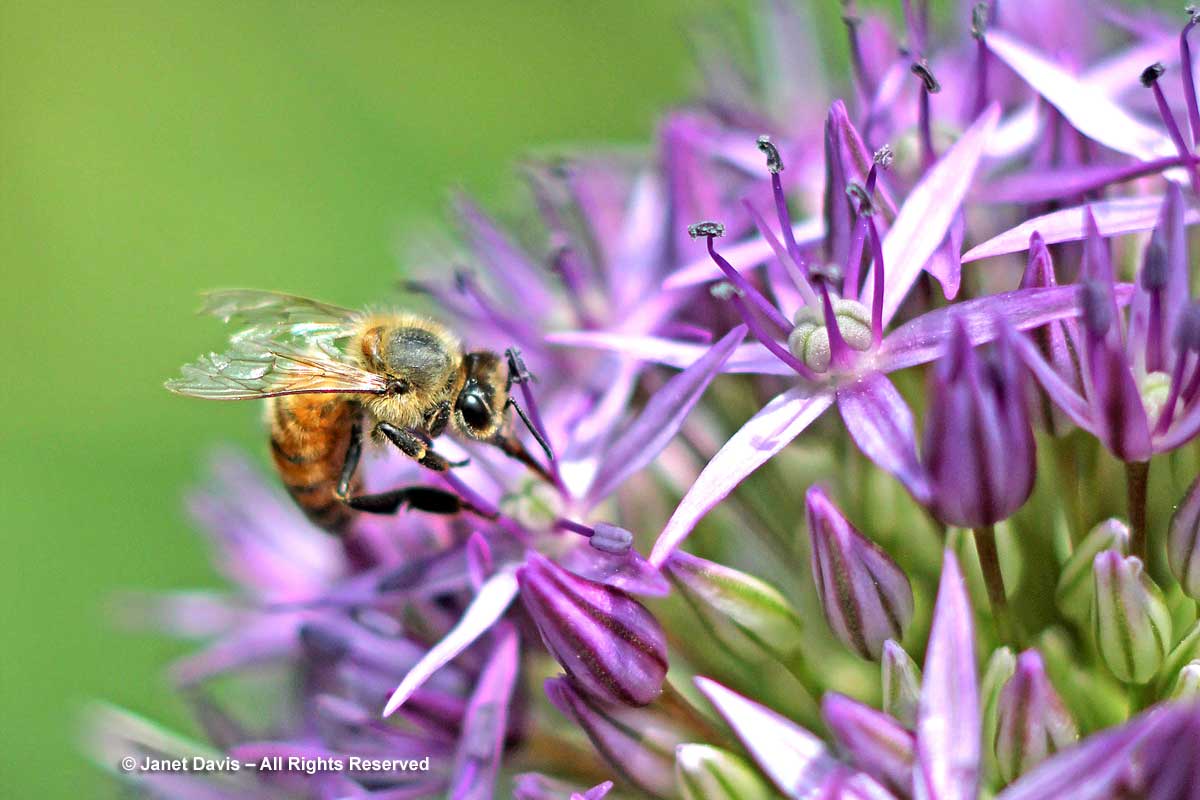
(857, 193)
(1097, 307)
(884, 156)
(517, 371)
(709, 229)
(774, 162)
(830, 273)
(725, 291)
(1152, 73)
(1154, 270)
(922, 71)
(461, 279)
(979, 19)
(1193, 12)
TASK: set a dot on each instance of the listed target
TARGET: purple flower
(1183, 538)
(1031, 721)
(866, 597)
(633, 746)
(843, 367)
(979, 447)
(611, 647)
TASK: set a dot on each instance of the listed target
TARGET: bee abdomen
(309, 438)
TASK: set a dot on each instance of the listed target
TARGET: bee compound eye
(474, 410)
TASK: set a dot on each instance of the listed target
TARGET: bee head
(479, 408)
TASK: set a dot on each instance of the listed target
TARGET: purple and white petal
(765, 434)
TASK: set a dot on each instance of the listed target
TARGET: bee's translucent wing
(252, 308)
(256, 367)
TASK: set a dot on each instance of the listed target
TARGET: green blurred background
(150, 150)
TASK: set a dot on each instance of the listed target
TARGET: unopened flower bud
(1000, 667)
(866, 597)
(1187, 685)
(609, 644)
(743, 611)
(1074, 592)
(809, 340)
(704, 772)
(1031, 721)
(1130, 620)
(979, 447)
(901, 683)
(1183, 542)
(634, 743)
(873, 741)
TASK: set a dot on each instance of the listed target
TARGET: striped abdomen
(309, 437)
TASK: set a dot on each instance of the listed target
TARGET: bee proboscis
(334, 377)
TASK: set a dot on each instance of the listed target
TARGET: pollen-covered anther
(809, 341)
(774, 162)
(921, 70)
(979, 19)
(708, 229)
(885, 156)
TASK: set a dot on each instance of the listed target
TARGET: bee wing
(288, 360)
(252, 308)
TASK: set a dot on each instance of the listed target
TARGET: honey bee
(333, 378)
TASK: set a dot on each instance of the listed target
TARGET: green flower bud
(740, 608)
(1130, 620)
(1000, 667)
(1074, 593)
(901, 684)
(703, 772)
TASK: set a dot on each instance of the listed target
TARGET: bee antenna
(532, 429)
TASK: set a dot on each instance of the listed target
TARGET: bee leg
(412, 446)
(350, 464)
(437, 422)
(419, 498)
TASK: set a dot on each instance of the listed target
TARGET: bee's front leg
(415, 448)
(429, 499)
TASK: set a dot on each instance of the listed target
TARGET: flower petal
(1088, 108)
(798, 762)
(1113, 217)
(881, 424)
(487, 607)
(948, 716)
(660, 419)
(482, 741)
(923, 339)
(765, 434)
(751, 357)
(928, 211)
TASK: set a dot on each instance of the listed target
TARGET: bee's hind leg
(415, 448)
(419, 498)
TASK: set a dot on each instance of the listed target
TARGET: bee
(334, 378)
